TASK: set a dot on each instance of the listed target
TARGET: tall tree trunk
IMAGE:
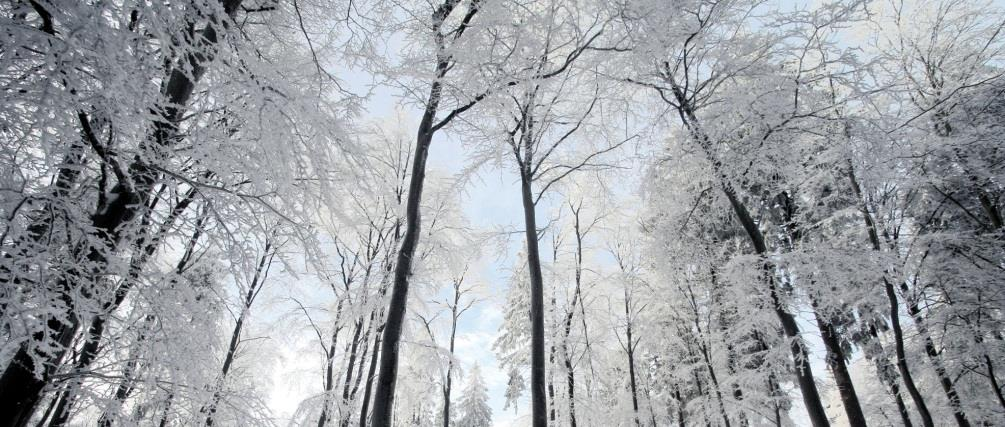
(350, 368)
(362, 356)
(891, 296)
(570, 379)
(838, 367)
(804, 374)
(630, 350)
(885, 372)
(448, 380)
(383, 406)
(330, 366)
(368, 389)
(145, 248)
(829, 334)
(994, 380)
(940, 370)
(680, 407)
(261, 273)
(539, 402)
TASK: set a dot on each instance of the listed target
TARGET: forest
(502, 213)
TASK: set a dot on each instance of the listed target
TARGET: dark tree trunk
(539, 402)
(330, 366)
(350, 367)
(886, 374)
(448, 381)
(368, 389)
(48, 411)
(362, 356)
(940, 370)
(570, 379)
(20, 389)
(630, 350)
(680, 407)
(994, 381)
(383, 405)
(838, 367)
(804, 374)
(261, 273)
(891, 296)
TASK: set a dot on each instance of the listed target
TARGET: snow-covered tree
(473, 408)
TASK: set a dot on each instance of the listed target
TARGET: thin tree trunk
(448, 381)
(261, 273)
(680, 407)
(630, 350)
(48, 410)
(994, 380)
(551, 386)
(350, 367)
(571, 384)
(362, 356)
(891, 296)
(804, 374)
(915, 314)
(368, 389)
(330, 366)
(885, 373)
(947, 384)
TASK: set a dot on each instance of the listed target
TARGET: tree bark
(885, 373)
(838, 367)
(20, 389)
(891, 296)
(804, 374)
(330, 366)
(539, 403)
(350, 368)
(383, 405)
(261, 272)
(368, 389)
(448, 380)
(630, 350)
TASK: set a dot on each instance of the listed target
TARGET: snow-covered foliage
(728, 212)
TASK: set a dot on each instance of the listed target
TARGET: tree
(474, 409)
(710, 199)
